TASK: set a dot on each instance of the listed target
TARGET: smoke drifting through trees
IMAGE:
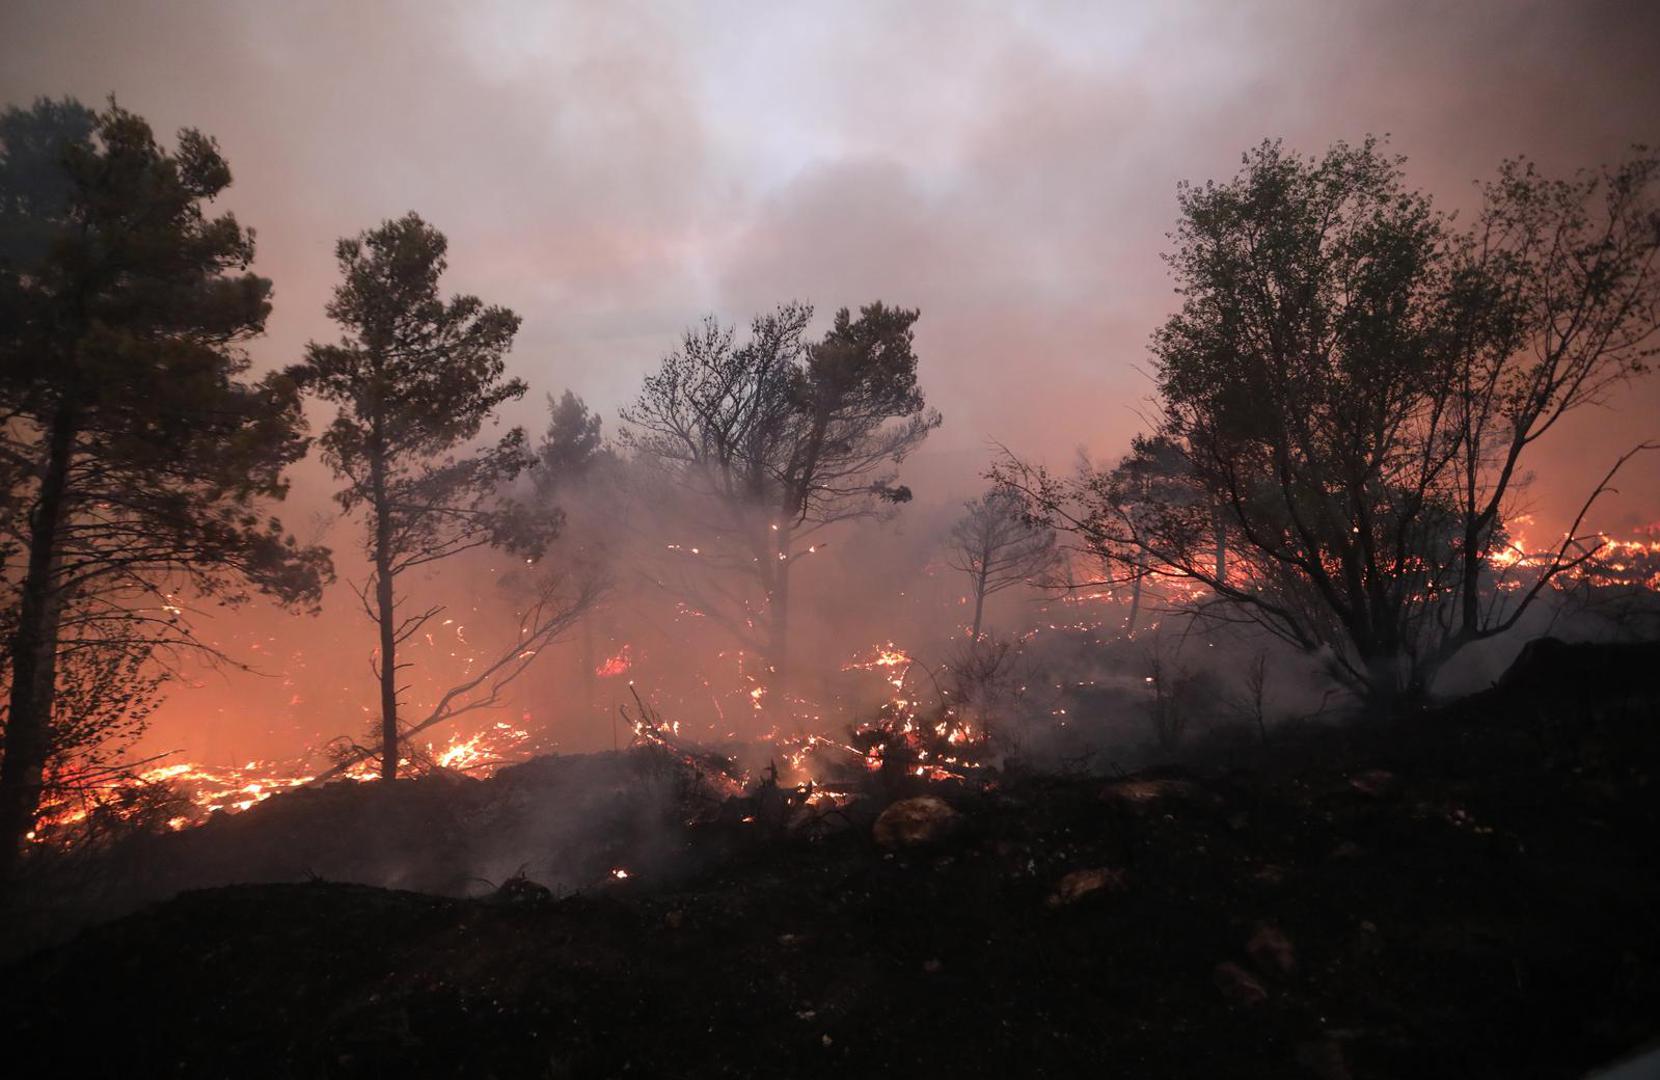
(416, 378)
(776, 441)
(1354, 381)
(1287, 485)
(139, 461)
(998, 548)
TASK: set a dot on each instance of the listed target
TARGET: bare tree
(1251, 704)
(556, 608)
(764, 445)
(998, 548)
(1181, 693)
(1556, 296)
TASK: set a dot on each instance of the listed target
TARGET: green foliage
(131, 305)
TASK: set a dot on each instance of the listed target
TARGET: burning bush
(80, 818)
(902, 743)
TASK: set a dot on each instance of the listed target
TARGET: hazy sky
(613, 170)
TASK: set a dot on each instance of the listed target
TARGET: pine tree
(138, 458)
(416, 377)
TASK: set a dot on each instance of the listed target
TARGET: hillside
(1471, 894)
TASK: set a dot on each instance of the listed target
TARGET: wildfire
(923, 741)
(483, 752)
(230, 787)
(1607, 561)
(615, 665)
(196, 791)
(928, 741)
(888, 656)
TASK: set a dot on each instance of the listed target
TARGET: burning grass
(88, 806)
(899, 721)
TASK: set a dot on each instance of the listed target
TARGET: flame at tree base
(904, 739)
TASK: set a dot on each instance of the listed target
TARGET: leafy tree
(776, 440)
(998, 548)
(138, 459)
(577, 466)
(571, 446)
(415, 377)
(1355, 381)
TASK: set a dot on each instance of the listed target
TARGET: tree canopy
(139, 457)
(415, 377)
(998, 548)
(778, 438)
(1351, 382)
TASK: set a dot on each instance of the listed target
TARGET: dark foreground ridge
(1472, 894)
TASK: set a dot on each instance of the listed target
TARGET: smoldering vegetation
(1467, 893)
(726, 685)
(1075, 700)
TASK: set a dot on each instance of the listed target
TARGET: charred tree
(995, 545)
(772, 442)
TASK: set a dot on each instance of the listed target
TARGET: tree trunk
(1389, 685)
(979, 604)
(778, 643)
(1135, 593)
(587, 661)
(388, 673)
(34, 654)
(1221, 527)
(386, 608)
(1140, 572)
(1472, 583)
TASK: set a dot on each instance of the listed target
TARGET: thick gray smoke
(614, 173)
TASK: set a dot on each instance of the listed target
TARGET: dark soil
(1471, 894)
